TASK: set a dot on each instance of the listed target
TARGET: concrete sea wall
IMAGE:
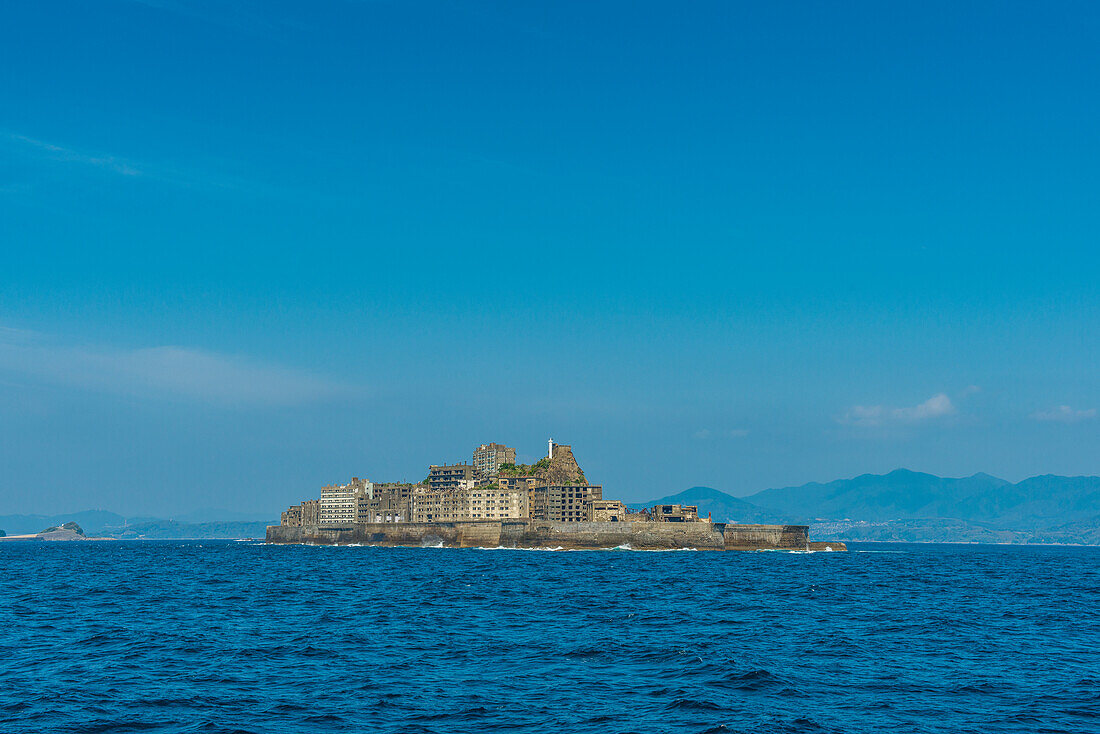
(568, 535)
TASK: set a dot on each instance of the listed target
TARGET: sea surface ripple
(211, 636)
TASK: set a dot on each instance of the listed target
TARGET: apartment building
(340, 502)
(496, 503)
(606, 511)
(489, 456)
(675, 513)
(563, 502)
(450, 476)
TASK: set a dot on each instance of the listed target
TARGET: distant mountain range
(908, 505)
(900, 506)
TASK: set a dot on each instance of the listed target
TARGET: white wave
(627, 546)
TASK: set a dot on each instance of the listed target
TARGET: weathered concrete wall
(450, 534)
(543, 534)
(755, 537)
(827, 545)
(637, 535)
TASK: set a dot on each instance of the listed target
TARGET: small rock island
(65, 532)
(494, 502)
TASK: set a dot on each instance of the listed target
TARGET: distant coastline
(888, 508)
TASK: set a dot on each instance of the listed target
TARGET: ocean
(212, 636)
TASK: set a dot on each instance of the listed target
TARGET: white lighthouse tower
(550, 449)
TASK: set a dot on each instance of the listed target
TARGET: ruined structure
(451, 476)
(494, 501)
(675, 513)
(606, 511)
(488, 457)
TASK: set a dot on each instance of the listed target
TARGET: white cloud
(706, 433)
(68, 155)
(933, 407)
(162, 372)
(1064, 414)
(937, 406)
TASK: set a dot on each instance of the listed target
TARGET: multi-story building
(481, 502)
(292, 516)
(340, 502)
(306, 514)
(449, 476)
(489, 456)
(606, 511)
(311, 512)
(675, 513)
(534, 490)
(552, 489)
(387, 502)
(440, 505)
(563, 502)
(493, 502)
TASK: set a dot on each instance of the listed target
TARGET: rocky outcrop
(563, 468)
(67, 531)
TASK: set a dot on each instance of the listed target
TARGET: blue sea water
(212, 636)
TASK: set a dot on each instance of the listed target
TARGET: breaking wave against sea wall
(234, 637)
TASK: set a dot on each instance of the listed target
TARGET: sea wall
(756, 537)
(542, 534)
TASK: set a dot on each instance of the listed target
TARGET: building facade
(489, 456)
(675, 513)
(493, 502)
(307, 514)
(292, 517)
(481, 502)
(450, 476)
(563, 502)
(606, 511)
(340, 502)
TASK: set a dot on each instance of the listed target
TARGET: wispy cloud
(162, 372)
(1064, 414)
(937, 406)
(69, 155)
(705, 434)
(210, 175)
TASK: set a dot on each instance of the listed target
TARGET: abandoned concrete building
(491, 488)
(676, 513)
(488, 457)
(307, 514)
(606, 511)
(450, 476)
(339, 502)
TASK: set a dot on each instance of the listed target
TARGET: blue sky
(252, 248)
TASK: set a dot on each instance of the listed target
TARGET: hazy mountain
(100, 523)
(901, 505)
(92, 521)
(914, 506)
(172, 529)
(723, 507)
(1037, 503)
(207, 515)
(899, 495)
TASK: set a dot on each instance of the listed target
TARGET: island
(65, 532)
(493, 502)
